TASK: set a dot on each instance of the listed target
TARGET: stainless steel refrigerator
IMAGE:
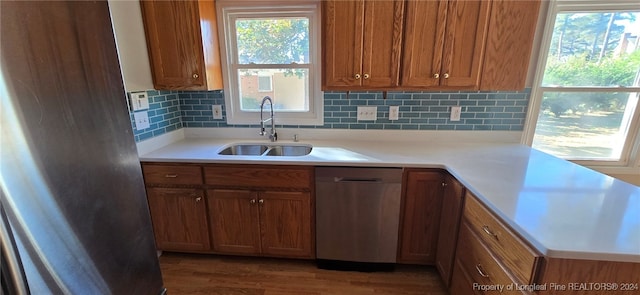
(75, 216)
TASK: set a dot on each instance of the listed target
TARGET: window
(271, 50)
(264, 84)
(585, 98)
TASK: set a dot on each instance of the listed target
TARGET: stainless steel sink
(266, 150)
(244, 150)
(289, 150)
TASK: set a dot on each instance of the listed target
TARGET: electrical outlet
(139, 101)
(142, 120)
(367, 113)
(394, 112)
(455, 113)
(217, 111)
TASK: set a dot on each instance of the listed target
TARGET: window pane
(264, 84)
(289, 89)
(594, 49)
(584, 125)
(273, 41)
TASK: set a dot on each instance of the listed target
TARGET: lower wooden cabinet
(267, 223)
(452, 202)
(422, 197)
(179, 218)
(488, 253)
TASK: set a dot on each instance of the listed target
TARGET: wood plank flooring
(212, 274)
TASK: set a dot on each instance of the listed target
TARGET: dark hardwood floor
(212, 274)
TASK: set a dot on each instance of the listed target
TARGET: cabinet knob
(253, 201)
(446, 75)
(195, 76)
(436, 76)
(198, 199)
(366, 76)
(479, 269)
(444, 184)
(357, 76)
(261, 201)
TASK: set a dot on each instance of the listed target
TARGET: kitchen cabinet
(182, 43)
(512, 27)
(265, 211)
(444, 43)
(421, 202)
(177, 206)
(179, 219)
(362, 43)
(489, 253)
(266, 223)
(452, 202)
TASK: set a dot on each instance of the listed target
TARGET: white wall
(126, 17)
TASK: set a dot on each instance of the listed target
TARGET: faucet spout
(273, 136)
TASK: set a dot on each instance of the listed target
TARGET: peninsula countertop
(562, 209)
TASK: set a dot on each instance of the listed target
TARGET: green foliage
(273, 41)
(582, 54)
(578, 70)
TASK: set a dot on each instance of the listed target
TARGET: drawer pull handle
(171, 175)
(479, 269)
(489, 232)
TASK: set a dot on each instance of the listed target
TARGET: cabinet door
(382, 43)
(234, 221)
(510, 40)
(449, 223)
(179, 219)
(465, 38)
(362, 43)
(423, 43)
(285, 222)
(342, 42)
(421, 216)
(174, 43)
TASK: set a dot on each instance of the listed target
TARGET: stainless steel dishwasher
(357, 216)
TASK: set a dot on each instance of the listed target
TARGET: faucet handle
(261, 131)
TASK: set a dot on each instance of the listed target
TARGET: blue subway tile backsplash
(164, 115)
(500, 111)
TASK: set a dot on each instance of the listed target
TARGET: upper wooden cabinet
(441, 45)
(182, 44)
(362, 43)
(510, 39)
(444, 43)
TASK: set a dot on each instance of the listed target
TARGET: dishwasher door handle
(356, 179)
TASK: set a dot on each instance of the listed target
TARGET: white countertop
(564, 210)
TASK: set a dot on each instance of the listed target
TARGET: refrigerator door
(71, 180)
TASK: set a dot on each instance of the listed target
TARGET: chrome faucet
(273, 136)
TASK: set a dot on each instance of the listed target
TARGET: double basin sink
(266, 150)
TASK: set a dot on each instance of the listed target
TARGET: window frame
(629, 159)
(227, 12)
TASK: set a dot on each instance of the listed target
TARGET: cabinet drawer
(508, 248)
(479, 264)
(172, 174)
(259, 177)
